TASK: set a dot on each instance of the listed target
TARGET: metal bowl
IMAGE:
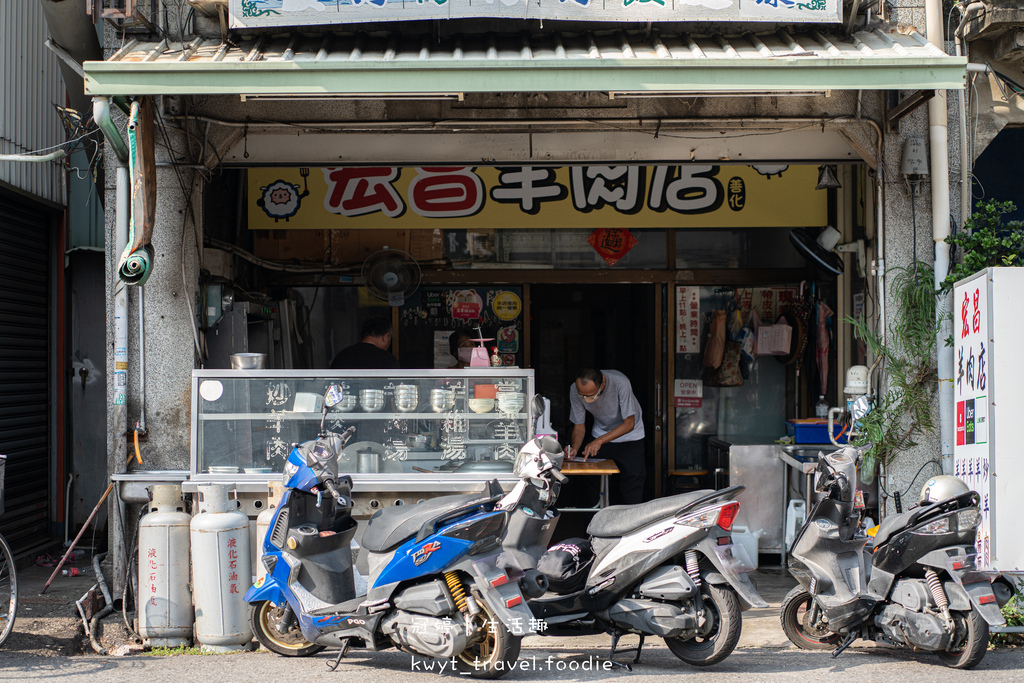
(372, 405)
(347, 403)
(248, 361)
(485, 466)
(407, 398)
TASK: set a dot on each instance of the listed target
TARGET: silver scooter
(914, 585)
(664, 568)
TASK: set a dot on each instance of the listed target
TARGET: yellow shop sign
(518, 197)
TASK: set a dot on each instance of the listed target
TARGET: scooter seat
(388, 527)
(619, 520)
(889, 525)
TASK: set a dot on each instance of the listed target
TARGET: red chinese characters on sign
(357, 191)
(612, 243)
(446, 192)
(232, 564)
(151, 578)
(688, 320)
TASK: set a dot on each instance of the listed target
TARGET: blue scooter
(435, 588)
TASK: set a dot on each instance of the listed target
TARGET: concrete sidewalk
(49, 624)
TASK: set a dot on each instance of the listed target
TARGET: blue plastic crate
(814, 432)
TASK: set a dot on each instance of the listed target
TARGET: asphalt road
(558, 662)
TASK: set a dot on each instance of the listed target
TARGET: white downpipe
(122, 205)
(119, 389)
(938, 132)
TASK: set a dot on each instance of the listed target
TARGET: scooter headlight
(522, 462)
(290, 469)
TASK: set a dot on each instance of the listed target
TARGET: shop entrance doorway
(608, 326)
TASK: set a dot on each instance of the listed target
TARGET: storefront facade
(539, 157)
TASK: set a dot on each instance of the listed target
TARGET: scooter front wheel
(796, 623)
(719, 633)
(971, 638)
(264, 617)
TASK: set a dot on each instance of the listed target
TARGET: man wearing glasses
(618, 427)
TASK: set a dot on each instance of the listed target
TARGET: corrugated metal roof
(30, 86)
(393, 63)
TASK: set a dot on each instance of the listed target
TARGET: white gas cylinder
(263, 522)
(164, 600)
(221, 571)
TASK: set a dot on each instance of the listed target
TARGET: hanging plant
(903, 413)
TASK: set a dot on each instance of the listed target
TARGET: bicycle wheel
(8, 591)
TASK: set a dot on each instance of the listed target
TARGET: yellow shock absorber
(457, 591)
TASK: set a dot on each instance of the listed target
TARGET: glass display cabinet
(436, 431)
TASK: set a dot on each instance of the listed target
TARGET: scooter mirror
(333, 396)
(538, 404)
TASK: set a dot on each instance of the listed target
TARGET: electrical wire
(911, 484)
(187, 193)
(60, 146)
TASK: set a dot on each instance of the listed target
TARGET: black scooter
(914, 585)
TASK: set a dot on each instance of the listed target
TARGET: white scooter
(664, 568)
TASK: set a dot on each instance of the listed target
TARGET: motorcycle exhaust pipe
(534, 584)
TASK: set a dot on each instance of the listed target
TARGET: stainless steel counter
(759, 469)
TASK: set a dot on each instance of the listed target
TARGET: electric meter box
(988, 390)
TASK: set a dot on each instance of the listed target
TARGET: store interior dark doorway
(598, 325)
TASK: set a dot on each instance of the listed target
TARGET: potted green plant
(986, 240)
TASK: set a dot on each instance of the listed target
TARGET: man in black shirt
(372, 352)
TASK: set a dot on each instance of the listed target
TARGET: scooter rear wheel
(722, 633)
(795, 623)
(264, 617)
(972, 641)
(493, 656)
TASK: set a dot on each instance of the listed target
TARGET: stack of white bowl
(511, 401)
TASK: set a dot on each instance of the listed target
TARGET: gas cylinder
(221, 571)
(263, 521)
(164, 600)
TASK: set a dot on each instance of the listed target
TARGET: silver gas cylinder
(164, 600)
(221, 571)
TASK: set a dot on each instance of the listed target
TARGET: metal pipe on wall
(938, 132)
(142, 360)
(119, 388)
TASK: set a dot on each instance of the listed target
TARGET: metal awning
(383, 64)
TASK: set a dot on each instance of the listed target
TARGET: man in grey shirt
(618, 427)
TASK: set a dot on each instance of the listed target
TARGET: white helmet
(942, 487)
(538, 455)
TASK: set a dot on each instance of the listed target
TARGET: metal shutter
(24, 371)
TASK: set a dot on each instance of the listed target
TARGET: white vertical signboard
(972, 362)
(687, 319)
